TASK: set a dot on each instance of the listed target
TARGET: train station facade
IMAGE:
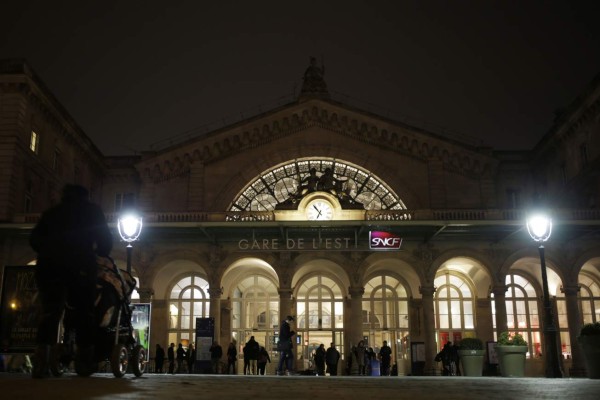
(360, 226)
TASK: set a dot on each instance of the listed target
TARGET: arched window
(522, 311)
(589, 298)
(320, 310)
(385, 304)
(454, 309)
(255, 304)
(385, 316)
(189, 299)
(276, 185)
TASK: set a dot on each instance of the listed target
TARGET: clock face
(319, 210)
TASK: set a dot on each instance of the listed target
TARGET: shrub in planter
(471, 356)
(589, 340)
(511, 350)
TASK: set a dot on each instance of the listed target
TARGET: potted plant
(511, 350)
(589, 340)
(471, 355)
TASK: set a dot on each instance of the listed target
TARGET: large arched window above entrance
(275, 185)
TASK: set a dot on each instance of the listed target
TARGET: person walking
(385, 355)
(263, 359)
(180, 356)
(67, 240)
(253, 349)
(171, 358)
(159, 359)
(320, 359)
(216, 352)
(286, 355)
(332, 357)
(231, 359)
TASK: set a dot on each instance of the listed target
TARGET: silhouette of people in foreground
(67, 239)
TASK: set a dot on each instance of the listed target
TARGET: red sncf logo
(379, 240)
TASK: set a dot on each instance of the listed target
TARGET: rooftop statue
(313, 84)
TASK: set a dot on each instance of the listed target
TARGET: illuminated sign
(379, 240)
(338, 243)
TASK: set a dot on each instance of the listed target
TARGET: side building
(362, 227)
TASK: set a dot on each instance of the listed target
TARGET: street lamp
(130, 227)
(539, 227)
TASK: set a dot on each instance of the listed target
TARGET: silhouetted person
(67, 239)
(263, 359)
(171, 357)
(286, 356)
(385, 354)
(191, 358)
(159, 359)
(252, 348)
(231, 359)
(332, 357)
(320, 359)
(216, 352)
(180, 355)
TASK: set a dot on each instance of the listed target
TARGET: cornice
(409, 142)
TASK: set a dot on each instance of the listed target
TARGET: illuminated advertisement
(19, 310)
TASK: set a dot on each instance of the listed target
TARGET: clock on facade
(319, 210)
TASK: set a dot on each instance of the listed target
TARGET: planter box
(471, 362)
(590, 346)
(511, 360)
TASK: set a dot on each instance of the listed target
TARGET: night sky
(135, 73)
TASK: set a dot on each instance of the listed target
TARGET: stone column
(215, 310)
(500, 301)
(285, 303)
(574, 319)
(146, 295)
(354, 331)
(429, 323)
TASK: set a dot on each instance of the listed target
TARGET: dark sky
(133, 73)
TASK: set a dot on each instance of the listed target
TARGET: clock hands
(318, 211)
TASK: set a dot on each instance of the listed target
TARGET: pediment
(338, 120)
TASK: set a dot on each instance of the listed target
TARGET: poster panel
(205, 333)
(140, 321)
(19, 310)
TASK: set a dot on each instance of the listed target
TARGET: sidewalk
(184, 387)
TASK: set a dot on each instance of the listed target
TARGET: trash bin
(375, 369)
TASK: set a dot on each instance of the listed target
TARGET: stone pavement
(183, 387)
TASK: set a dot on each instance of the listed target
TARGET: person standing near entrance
(320, 359)
(332, 356)
(216, 352)
(263, 359)
(385, 354)
(181, 354)
(159, 359)
(253, 348)
(171, 358)
(231, 359)
(286, 356)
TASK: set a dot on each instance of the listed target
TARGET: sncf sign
(379, 240)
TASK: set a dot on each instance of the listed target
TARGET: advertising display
(19, 310)
(140, 321)
(205, 333)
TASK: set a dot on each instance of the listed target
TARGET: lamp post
(130, 227)
(539, 227)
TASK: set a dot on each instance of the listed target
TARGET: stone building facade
(279, 214)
